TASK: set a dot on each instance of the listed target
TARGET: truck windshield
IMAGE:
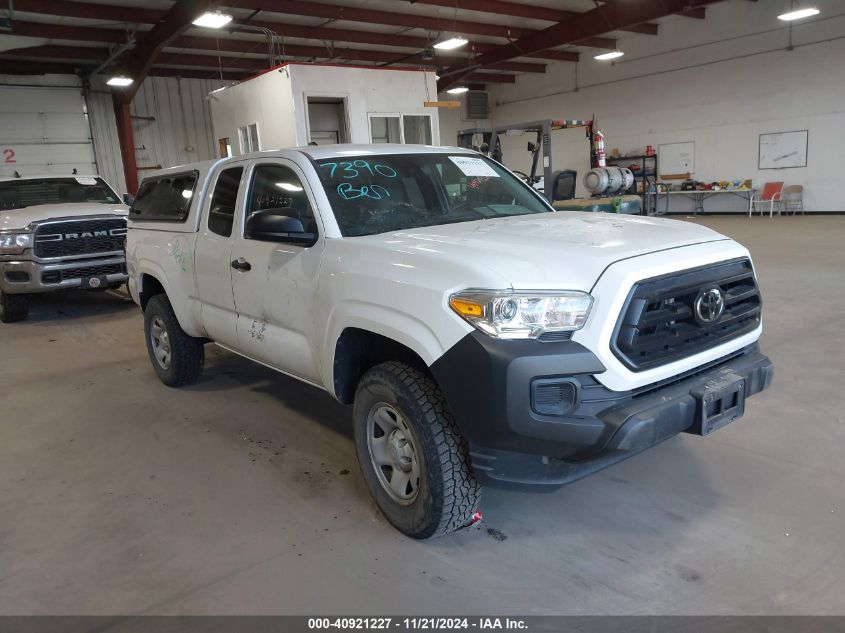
(378, 194)
(28, 192)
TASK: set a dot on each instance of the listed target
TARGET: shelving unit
(644, 178)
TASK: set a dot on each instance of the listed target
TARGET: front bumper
(502, 394)
(27, 276)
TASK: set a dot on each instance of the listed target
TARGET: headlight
(15, 243)
(522, 315)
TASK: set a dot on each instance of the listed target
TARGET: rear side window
(165, 198)
(221, 211)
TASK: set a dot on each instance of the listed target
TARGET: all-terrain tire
(184, 362)
(13, 307)
(448, 493)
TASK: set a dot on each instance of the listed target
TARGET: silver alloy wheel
(393, 454)
(160, 340)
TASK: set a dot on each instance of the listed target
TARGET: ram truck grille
(662, 323)
(81, 237)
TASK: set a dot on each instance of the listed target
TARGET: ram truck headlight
(15, 243)
(522, 315)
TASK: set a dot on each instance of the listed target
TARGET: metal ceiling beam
(132, 15)
(406, 41)
(89, 10)
(64, 32)
(87, 56)
(89, 34)
(490, 78)
(604, 18)
(408, 20)
(372, 16)
(172, 24)
(517, 10)
(15, 66)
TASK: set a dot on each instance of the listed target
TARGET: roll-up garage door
(44, 130)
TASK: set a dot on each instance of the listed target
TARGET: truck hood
(563, 250)
(21, 218)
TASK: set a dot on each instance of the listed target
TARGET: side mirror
(276, 225)
(128, 199)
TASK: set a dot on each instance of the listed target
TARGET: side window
(248, 137)
(278, 187)
(221, 211)
(165, 198)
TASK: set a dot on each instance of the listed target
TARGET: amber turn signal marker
(466, 308)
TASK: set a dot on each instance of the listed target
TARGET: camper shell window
(165, 198)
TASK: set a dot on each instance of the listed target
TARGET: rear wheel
(176, 357)
(412, 455)
(13, 307)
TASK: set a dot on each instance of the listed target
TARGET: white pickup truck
(480, 336)
(58, 232)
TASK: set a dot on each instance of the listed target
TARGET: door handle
(241, 264)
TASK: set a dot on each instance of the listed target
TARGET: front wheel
(13, 307)
(176, 357)
(412, 455)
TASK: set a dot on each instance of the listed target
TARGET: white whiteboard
(783, 150)
(676, 158)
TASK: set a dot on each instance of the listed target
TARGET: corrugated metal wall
(172, 125)
(104, 132)
(173, 122)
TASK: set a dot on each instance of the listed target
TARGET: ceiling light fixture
(120, 80)
(213, 19)
(798, 14)
(452, 43)
(457, 91)
(609, 55)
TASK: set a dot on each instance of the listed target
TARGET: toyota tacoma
(479, 335)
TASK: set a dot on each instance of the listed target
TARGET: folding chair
(772, 194)
(793, 199)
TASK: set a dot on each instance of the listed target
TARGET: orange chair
(772, 194)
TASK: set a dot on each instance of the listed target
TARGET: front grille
(84, 237)
(58, 276)
(659, 324)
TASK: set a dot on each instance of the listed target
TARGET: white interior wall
(367, 91)
(266, 100)
(277, 101)
(719, 82)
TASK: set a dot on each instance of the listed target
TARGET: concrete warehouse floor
(242, 494)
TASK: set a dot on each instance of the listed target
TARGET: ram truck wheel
(412, 455)
(176, 357)
(13, 307)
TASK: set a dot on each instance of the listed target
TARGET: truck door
(213, 257)
(275, 284)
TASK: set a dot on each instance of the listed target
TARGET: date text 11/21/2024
(425, 623)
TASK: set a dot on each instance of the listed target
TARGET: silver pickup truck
(58, 232)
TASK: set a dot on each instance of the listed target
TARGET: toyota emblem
(709, 305)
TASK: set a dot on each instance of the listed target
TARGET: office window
(248, 137)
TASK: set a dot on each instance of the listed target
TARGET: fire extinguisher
(599, 157)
